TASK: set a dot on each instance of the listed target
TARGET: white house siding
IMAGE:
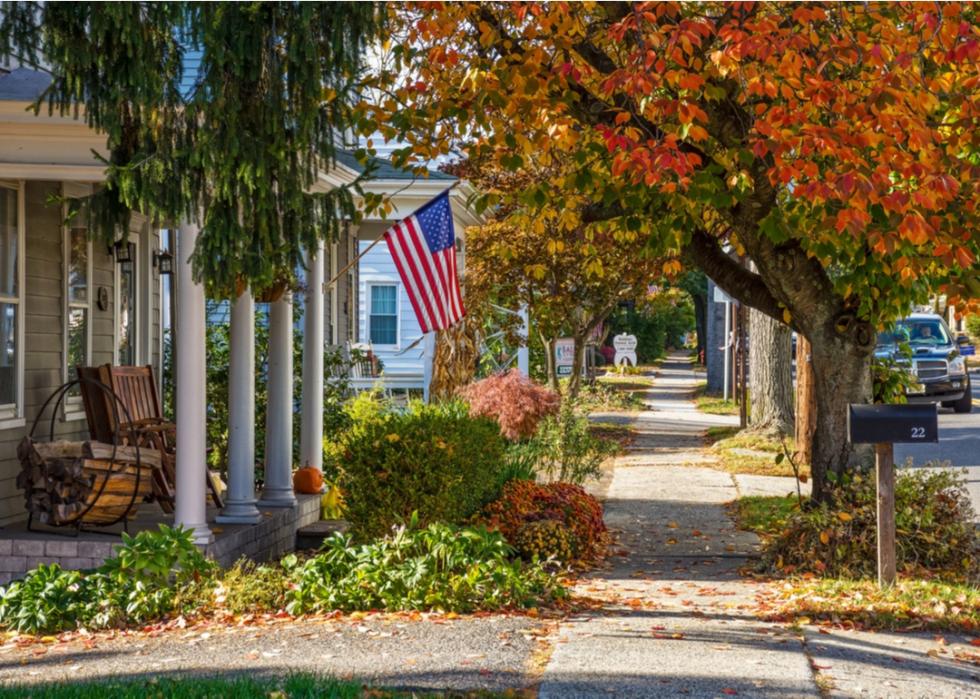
(44, 329)
(377, 267)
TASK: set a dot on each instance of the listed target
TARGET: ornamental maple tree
(833, 145)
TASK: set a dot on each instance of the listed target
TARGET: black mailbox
(895, 424)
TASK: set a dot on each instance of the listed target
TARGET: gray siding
(44, 332)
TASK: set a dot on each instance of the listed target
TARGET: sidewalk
(678, 620)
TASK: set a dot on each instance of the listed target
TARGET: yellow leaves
(673, 267)
(556, 246)
(824, 537)
(787, 316)
(844, 516)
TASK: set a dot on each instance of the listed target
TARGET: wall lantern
(163, 260)
(123, 251)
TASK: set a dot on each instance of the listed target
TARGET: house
(65, 301)
(385, 322)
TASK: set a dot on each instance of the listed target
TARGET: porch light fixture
(123, 251)
(163, 260)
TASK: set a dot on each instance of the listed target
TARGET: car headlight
(957, 366)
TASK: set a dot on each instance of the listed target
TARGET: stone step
(312, 535)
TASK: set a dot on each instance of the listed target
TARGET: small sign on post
(884, 426)
(625, 346)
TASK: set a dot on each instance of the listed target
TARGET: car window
(924, 332)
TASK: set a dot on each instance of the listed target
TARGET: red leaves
(915, 229)
(513, 400)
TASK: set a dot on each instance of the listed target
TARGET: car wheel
(964, 404)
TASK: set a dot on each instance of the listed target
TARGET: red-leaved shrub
(523, 502)
(513, 400)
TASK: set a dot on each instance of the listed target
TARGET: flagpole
(374, 242)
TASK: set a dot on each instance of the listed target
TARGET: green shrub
(973, 326)
(433, 459)
(47, 598)
(365, 408)
(145, 580)
(545, 539)
(438, 568)
(570, 452)
(933, 520)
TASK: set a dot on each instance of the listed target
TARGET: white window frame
(74, 408)
(12, 416)
(137, 332)
(369, 285)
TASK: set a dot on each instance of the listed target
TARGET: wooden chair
(137, 390)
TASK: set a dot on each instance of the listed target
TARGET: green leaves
(212, 113)
(436, 568)
(142, 582)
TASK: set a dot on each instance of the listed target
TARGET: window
(384, 314)
(78, 304)
(11, 291)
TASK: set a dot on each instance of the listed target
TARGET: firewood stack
(61, 479)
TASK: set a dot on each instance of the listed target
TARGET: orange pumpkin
(308, 480)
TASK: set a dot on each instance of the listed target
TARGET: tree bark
(770, 375)
(842, 375)
(806, 412)
(549, 362)
(575, 380)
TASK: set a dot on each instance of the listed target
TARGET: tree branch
(735, 280)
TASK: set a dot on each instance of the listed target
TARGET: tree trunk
(549, 362)
(770, 375)
(842, 375)
(575, 380)
(806, 411)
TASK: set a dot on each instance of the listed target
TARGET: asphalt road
(959, 444)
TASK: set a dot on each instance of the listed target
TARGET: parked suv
(936, 361)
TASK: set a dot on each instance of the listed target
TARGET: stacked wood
(77, 483)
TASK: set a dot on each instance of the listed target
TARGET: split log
(65, 482)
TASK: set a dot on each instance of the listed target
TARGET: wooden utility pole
(743, 413)
(806, 414)
(885, 475)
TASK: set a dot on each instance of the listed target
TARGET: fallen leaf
(729, 691)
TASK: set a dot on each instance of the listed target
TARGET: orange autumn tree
(835, 146)
(568, 272)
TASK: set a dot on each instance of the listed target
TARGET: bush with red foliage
(522, 502)
(513, 400)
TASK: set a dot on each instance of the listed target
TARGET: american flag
(424, 249)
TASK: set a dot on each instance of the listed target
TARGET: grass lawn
(909, 604)
(765, 515)
(716, 405)
(748, 452)
(300, 686)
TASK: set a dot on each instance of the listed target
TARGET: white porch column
(311, 427)
(524, 351)
(190, 509)
(240, 500)
(278, 490)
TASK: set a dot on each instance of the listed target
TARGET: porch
(272, 536)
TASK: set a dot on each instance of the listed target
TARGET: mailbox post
(884, 426)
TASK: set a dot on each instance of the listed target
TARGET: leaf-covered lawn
(716, 405)
(912, 603)
(299, 686)
(765, 515)
(749, 452)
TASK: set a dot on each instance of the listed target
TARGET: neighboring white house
(386, 323)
